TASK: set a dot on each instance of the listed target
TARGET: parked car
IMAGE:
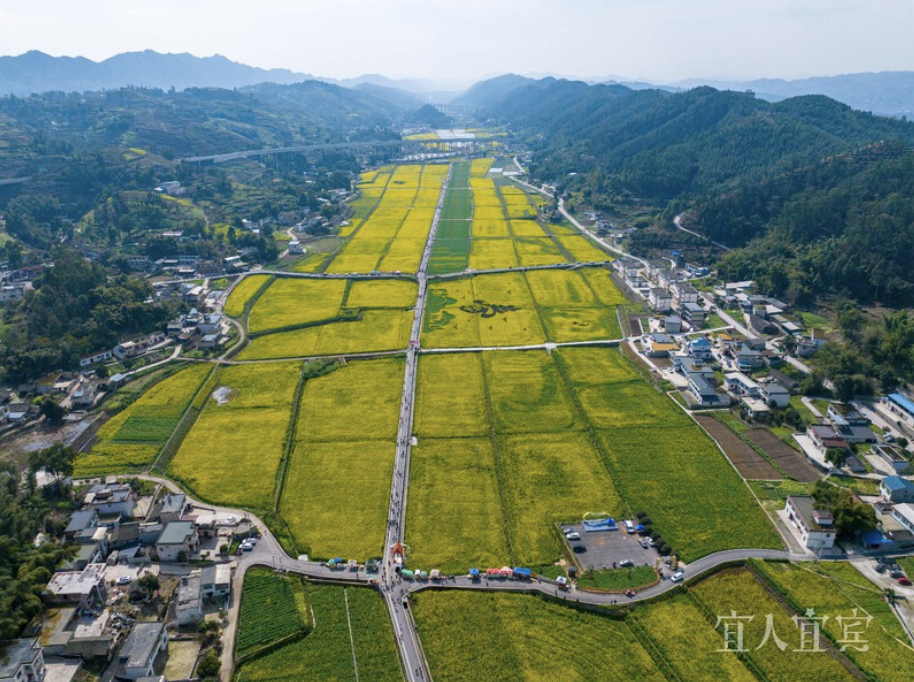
(677, 577)
(644, 544)
(573, 535)
(578, 549)
(881, 567)
(897, 574)
(124, 580)
(625, 563)
(904, 581)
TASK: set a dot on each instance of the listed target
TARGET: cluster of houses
(120, 536)
(205, 331)
(666, 289)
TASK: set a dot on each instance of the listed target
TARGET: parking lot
(608, 549)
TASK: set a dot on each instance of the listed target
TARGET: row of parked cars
(889, 566)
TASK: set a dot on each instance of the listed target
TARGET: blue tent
(639, 528)
(474, 572)
(522, 572)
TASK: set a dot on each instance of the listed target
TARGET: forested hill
(191, 122)
(844, 226)
(658, 144)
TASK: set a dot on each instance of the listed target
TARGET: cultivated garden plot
(272, 608)
(233, 451)
(492, 636)
(337, 488)
(739, 591)
(451, 397)
(684, 638)
(134, 437)
(835, 590)
(327, 652)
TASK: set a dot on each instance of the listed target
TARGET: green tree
(53, 411)
(57, 461)
(210, 667)
(149, 583)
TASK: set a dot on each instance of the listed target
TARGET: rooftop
(80, 520)
(804, 506)
(141, 644)
(176, 533)
(896, 483)
(903, 402)
(18, 652)
(173, 504)
(189, 591)
(77, 582)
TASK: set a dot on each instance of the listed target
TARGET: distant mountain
(890, 93)
(429, 116)
(35, 72)
(491, 92)
(663, 145)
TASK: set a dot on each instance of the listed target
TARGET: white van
(629, 527)
(676, 577)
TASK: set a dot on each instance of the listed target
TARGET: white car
(676, 577)
(573, 535)
(124, 580)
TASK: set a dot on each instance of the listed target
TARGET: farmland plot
(835, 590)
(242, 293)
(687, 641)
(550, 479)
(382, 294)
(583, 250)
(527, 394)
(663, 463)
(343, 460)
(377, 330)
(288, 302)
(521, 637)
(268, 609)
(232, 453)
(739, 591)
(455, 517)
(538, 251)
(134, 437)
(326, 653)
(492, 254)
(450, 397)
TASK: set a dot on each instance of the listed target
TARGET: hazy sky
(661, 40)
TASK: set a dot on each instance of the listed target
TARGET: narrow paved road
(412, 657)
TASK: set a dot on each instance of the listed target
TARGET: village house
(85, 588)
(672, 324)
(660, 345)
(179, 538)
(84, 395)
(145, 643)
(659, 299)
(896, 489)
(693, 315)
(79, 522)
(773, 393)
(850, 423)
(22, 660)
(11, 293)
(903, 513)
(90, 360)
(189, 600)
(174, 506)
(893, 456)
(216, 581)
(683, 293)
(816, 527)
(109, 499)
(700, 348)
(824, 437)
